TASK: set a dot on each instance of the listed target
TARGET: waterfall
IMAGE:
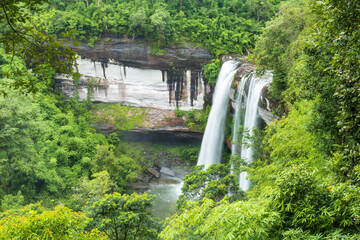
(256, 84)
(237, 115)
(212, 143)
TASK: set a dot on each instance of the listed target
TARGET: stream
(167, 193)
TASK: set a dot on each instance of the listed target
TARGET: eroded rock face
(266, 106)
(136, 53)
(123, 71)
(152, 88)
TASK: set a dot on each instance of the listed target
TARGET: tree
(35, 222)
(342, 37)
(211, 220)
(12, 201)
(161, 20)
(305, 202)
(276, 46)
(122, 169)
(86, 190)
(124, 216)
(138, 21)
(211, 71)
(21, 128)
(328, 70)
(21, 37)
(213, 183)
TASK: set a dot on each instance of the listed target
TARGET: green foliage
(12, 201)
(35, 222)
(146, 154)
(49, 151)
(253, 139)
(277, 46)
(121, 117)
(207, 219)
(304, 202)
(282, 147)
(213, 183)
(122, 169)
(342, 38)
(39, 50)
(190, 154)
(21, 129)
(98, 186)
(283, 137)
(211, 71)
(195, 120)
(138, 21)
(327, 70)
(306, 174)
(161, 20)
(124, 216)
(219, 25)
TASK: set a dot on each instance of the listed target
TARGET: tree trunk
(180, 5)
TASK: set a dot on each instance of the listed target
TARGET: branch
(13, 29)
(7, 19)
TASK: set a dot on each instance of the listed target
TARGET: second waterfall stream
(249, 99)
(212, 143)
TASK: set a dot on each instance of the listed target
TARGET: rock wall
(123, 71)
(137, 53)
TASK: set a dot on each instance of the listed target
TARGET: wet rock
(266, 106)
(136, 53)
(243, 69)
(151, 88)
(153, 172)
(166, 135)
(167, 171)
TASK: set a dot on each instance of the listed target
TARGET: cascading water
(239, 101)
(212, 143)
(256, 84)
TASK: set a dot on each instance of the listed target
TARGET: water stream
(166, 196)
(256, 85)
(212, 143)
(238, 116)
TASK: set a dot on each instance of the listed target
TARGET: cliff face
(123, 71)
(136, 53)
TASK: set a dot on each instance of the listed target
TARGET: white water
(239, 102)
(253, 96)
(212, 143)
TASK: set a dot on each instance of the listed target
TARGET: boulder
(167, 171)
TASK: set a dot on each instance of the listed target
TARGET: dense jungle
(76, 165)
